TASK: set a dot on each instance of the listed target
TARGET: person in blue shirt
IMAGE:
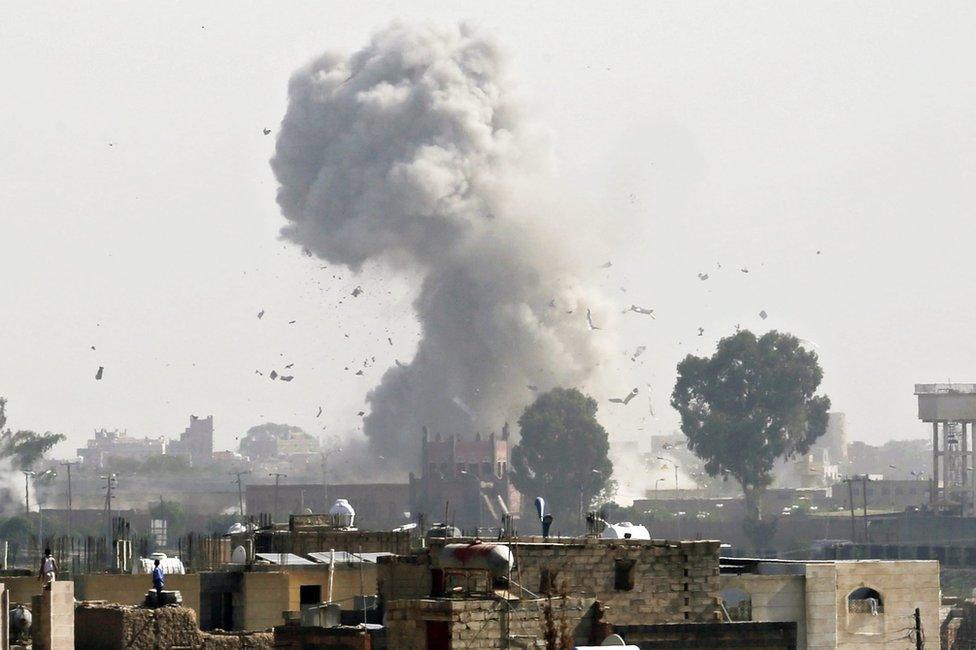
(157, 577)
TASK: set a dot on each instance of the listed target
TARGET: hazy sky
(137, 210)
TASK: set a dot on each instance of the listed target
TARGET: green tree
(563, 453)
(174, 514)
(750, 403)
(24, 447)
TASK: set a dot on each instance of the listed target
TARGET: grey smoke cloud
(411, 153)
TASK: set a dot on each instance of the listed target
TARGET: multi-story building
(117, 444)
(466, 482)
(196, 441)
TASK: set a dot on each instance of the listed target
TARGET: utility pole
(850, 500)
(240, 490)
(864, 500)
(277, 477)
(919, 643)
(27, 477)
(109, 484)
(68, 464)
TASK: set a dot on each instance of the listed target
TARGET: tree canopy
(563, 452)
(24, 448)
(750, 403)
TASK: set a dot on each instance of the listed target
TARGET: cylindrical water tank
(20, 621)
(342, 513)
(494, 558)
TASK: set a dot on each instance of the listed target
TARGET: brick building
(464, 481)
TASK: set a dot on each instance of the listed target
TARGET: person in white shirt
(49, 567)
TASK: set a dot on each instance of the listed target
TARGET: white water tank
(236, 529)
(342, 514)
(625, 530)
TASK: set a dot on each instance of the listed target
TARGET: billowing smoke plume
(409, 153)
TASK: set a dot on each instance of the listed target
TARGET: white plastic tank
(494, 558)
(625, 530)
(236, 529)
(169, 565)
(342, 514)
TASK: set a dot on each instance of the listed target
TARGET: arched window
(865, 600)
(738, 603)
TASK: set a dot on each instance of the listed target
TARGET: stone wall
(53, 624)
(101, 626)
(711, 636)
(483, 623)
(774, 598)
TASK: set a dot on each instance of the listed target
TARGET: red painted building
(464, 482)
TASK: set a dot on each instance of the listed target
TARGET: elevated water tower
(951, 408)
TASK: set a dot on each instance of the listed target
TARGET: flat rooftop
(944, 389)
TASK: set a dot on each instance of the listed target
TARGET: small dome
(236, 529)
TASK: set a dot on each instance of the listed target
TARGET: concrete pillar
(53, 625)
(964, 445)
(934, 494)
(4, 618)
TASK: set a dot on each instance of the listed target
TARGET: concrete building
(196, 441)
(883, 494)
(836, 604)
(951, 409)
(274, 441)
(117, 444)
(468, 478)
(378, 505)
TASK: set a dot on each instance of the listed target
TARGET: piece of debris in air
(703, 276)
(289, 365)
(274, 374)
(744, 269)
(286, 377)
(763, 314)
(589, 320)
(398, 364)
(319, 413)
(625, 400)
(358, 291)
(307, 252)
(606, 266)
(701, 331)
(361, 413)
(641, 310)
(389, 340)
(291, 322)
(359, 372)
(261, 314)
(264, 131)
(639, 351)
(532, 388)
(98, 375)
(258, 372)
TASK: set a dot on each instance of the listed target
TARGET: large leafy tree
(750, 403)
(562, 455)
(24, 447)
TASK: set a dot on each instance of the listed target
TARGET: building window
(310, 594)
(865, 600)
(623, 574)
(547, 581)
(737, 603)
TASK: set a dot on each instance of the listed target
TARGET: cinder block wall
(128, 589)
(53, 626)
(265, 598)
(674, 582)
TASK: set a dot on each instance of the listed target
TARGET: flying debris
(701, 331)
(532, 388)
(703, 276)
(625, 400)
(307, 252)
(641, 310)
(274, 374)
(606, 266)
(398, 364)
(358, 291)
(589, 320)
(639, 351)
(98, 375)
(389, 340)
(286, 377)
(264, 131)
(258, 372)
(464, 407)
(93, 347)
(361, 413)
(319, 414)
(261, 314)
(763, 314)
(289, 366)
(359, 372)
(744, 269)
(291, 322)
